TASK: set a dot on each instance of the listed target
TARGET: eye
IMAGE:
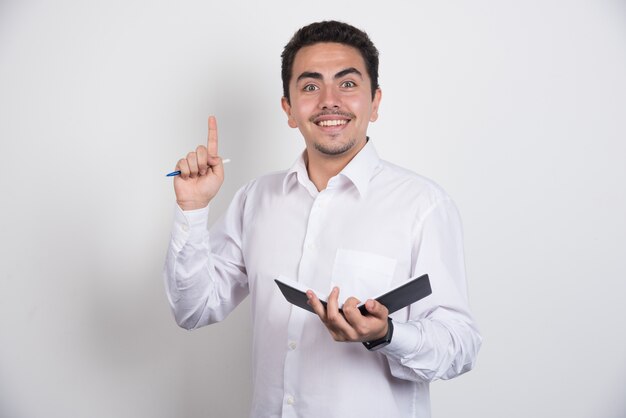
(310, 87)
(348, 84)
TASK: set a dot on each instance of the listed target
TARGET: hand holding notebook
(394, 300)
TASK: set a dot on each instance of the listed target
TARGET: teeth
(332, 122)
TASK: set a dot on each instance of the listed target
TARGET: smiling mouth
(332, 119)
(333, 122)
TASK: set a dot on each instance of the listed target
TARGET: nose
(330, 98)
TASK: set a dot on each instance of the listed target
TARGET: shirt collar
(298, 174)
(359, 170)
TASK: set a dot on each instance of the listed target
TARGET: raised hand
(201, 173)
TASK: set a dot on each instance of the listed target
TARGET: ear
(375, 103)
(287, 109)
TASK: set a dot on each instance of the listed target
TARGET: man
(339, 219)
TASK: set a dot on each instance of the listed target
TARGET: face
(330, 99)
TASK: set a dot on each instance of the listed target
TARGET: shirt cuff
(403, 342)
(189, 226)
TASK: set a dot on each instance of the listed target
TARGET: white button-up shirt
(375, 226)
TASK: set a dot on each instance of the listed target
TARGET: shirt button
(185, 227)
(290, 400)
(311, 246)
(292, 345)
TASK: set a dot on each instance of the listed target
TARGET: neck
(322, 167)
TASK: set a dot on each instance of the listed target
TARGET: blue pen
(177, 173)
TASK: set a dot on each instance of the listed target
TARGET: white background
(517, 108)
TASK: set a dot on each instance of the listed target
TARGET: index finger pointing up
(212, 141)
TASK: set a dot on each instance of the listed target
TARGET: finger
(341, 330)
(192, 160)
(366, 328)
(216, 166)
(351, 302)
(377, 309)
(316, 304)
(332, 306)
(183, 167)
(318, 307)
(203, 163)
(212, 140)
(351, 312)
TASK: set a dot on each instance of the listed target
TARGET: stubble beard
(338, 149)
(334, 149)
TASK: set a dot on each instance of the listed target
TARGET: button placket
(308, 261)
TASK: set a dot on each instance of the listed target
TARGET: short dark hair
(330, 31)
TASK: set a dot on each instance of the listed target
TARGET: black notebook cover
(396, 299)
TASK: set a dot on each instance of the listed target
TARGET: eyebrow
(347, 71)
(340, 74)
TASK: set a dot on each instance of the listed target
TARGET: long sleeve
(374, 226)
(440, 340)
(205, 277)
